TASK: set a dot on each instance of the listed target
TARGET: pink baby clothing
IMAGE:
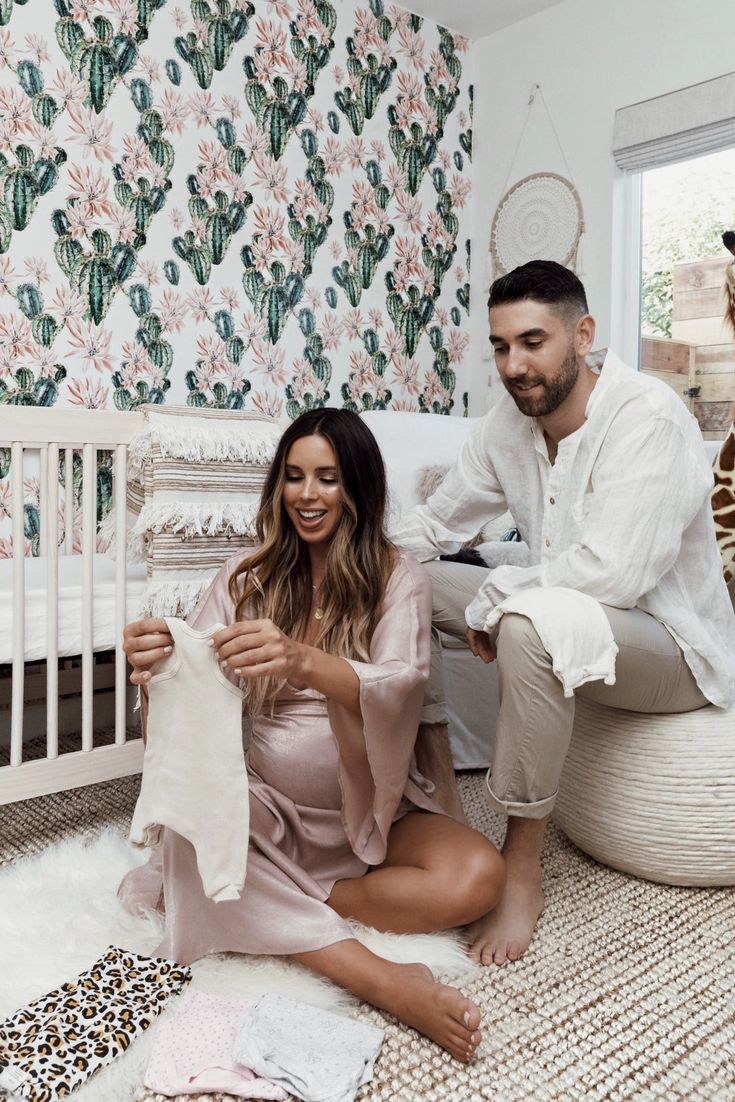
(194, 776)
(192, 1053)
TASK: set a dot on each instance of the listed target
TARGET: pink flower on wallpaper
(67, 89)
(459, 190)
(436, 233)
(293, 252)
(280, 8)
(6, 498)
(338, 75)
(404, 405)
(270, 225)
(90, 188)
(36, 268)
(407, 255)
(172, 310)
(439, 73)
(200, 303)
(7, 49)
(135, 158)
(269, 404)
(361, 369)
(366, 28)
(433, 390)
(7, 275)
(126, 12)
(406, 374)
(409, 90)
(313, 297)
(308, 22)
(231, 104)
(262, 253)
(122, 222)
(92, 131)
(409, 209)
(330, 331)
(229, 297)
(264, 70)
(377, 149)
(441, 317)
(253, 139)
(6, 548)
(91, 344)
(89, 393)
(412, 46)
(251, 327)
(353, 324)
(81, 221)
(150, 67)
(67, 304)
(269, 359)
(271, 176)
(395, 178)
(457, 344)
(460, 273)
(316, 119)
(15, 335)
(272, 41)
(83, 10)
(147, 271)
(180, 18)
(295, 70)
(15, 110)
(174, 111)
(356, 152)
(211, 353)
(44, 141)
(333, 156)
(37, 47)
(203, 108)
(392, 346)
(177, 218)
(43, 359)
(376, 319)
(335, 250)
(134, 362)
(212, 158)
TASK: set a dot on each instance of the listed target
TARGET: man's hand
(480, 645)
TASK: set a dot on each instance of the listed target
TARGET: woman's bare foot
(439, 1012)
(505, 933)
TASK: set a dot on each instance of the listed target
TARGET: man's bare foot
(441, 1013)
(505, 933)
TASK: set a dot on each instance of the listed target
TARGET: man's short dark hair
(542, 281)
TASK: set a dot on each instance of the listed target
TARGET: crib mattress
(70, 605)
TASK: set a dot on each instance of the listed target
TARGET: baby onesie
(315, 1054)
(194, 776)
(192, 1053)
(54, 1044)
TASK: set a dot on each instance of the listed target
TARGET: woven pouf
(653, 795)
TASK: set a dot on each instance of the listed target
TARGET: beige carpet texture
(627, 991)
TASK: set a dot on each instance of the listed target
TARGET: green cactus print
(371, 75)
(209, 50)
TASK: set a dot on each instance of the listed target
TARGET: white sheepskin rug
(60, 912)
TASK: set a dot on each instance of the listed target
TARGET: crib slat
(52, 604)
(89, 533)
(16, 718)
(68, 501)
(43, 502)
(121, 612)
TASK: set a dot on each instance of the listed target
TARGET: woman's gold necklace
(318, 611)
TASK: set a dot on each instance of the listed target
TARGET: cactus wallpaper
(256, 204)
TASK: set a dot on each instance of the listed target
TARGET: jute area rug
(627, 992)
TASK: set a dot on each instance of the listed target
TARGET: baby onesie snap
(316, 1055)
(194, 775)
(54, 1044)
(192, 1053)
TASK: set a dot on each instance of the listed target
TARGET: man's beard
(555, 390)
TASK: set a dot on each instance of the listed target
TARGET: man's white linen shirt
(622, 515)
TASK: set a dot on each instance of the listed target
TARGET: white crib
(63, 603)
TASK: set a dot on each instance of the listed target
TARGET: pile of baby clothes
(261, 1049)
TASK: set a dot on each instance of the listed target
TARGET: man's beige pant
(535, 719)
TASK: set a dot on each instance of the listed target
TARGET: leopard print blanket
(723, 504)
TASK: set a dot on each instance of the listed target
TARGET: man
(605, 475)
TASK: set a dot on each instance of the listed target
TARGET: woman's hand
(146, 642)
(480, 645)
(257, 648)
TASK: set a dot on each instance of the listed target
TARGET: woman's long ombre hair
(274, 583)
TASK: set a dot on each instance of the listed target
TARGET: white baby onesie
(194, 777)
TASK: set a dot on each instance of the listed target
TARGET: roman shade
(687, 123)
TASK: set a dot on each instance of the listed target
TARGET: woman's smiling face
(312, 496)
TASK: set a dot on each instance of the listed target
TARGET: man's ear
(584, 335)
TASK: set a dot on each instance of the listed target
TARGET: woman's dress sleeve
(374, 774)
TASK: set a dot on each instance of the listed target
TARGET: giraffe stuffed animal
(723, 505)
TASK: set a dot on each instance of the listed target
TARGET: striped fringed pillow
(194, 485)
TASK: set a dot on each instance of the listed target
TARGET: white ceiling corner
(477, 18)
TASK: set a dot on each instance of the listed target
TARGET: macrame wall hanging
(540, 216)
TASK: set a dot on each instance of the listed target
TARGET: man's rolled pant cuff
(434, 713)
(539, 809)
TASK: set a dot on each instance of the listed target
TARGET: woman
(329, 629)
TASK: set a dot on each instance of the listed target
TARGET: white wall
(590, 57)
